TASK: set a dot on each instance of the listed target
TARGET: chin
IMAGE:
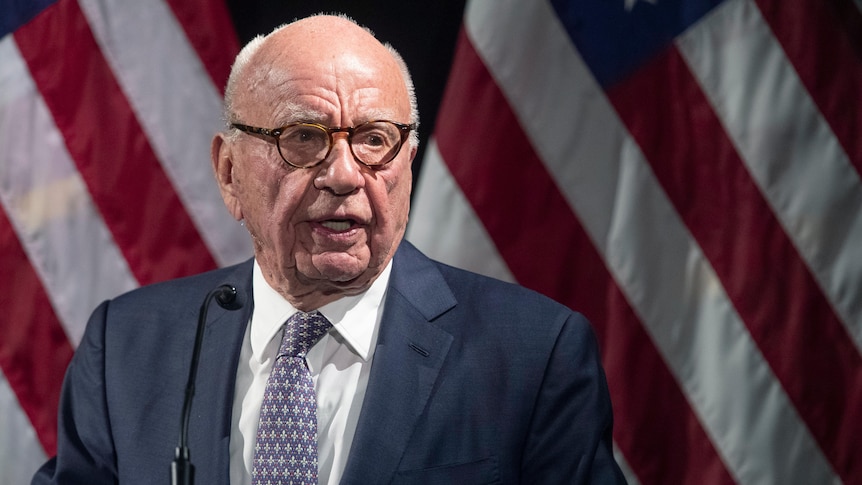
(340, 269)
(341, 275)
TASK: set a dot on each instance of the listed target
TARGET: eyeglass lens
(373, 143)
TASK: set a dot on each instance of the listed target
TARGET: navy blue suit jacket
(473, 381)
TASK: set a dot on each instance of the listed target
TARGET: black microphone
(182, 470)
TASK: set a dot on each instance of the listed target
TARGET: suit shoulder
(185, 289)
(497, 296)
(423, 278)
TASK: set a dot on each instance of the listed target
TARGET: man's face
(322, 232)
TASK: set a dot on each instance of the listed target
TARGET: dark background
(423, 32)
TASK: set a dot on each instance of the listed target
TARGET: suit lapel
(407, 359)
(209, 434)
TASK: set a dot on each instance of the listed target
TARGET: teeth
(336, 225)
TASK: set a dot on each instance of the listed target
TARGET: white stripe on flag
(21, 453)
(624, 209)
(631, 478)
(787, 146)
(444, 225)
(178, 107)
(54, 217)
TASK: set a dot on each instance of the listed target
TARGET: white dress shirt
(340, 363)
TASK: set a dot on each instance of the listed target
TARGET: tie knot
(301, 332)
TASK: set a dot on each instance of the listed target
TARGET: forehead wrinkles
(304, 100)
(282, 92)
(364, 104)
(371, 91)
(264, 86)
(344, 86)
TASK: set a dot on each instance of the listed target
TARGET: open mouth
(337, 225)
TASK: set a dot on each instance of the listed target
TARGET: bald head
(321, 41)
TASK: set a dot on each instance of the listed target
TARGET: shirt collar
(354, 317)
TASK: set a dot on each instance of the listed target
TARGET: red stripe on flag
(210, 31)
(552, 254)
(34, 350)
(124, 177)
(646, 397)
(828, 59)
(772, 289)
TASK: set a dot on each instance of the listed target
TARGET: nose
(341, 174)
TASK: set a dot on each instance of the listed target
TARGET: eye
(304, 135)
(374, 140)
(378, 135)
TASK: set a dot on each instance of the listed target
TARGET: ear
(223, 167)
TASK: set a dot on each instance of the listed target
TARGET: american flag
(686, 174)
(107, 110)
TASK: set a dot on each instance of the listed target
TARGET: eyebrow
(294, 113)
(380, 114)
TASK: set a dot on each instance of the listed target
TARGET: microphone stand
(182, 470)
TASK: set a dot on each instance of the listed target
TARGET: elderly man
(354, 358)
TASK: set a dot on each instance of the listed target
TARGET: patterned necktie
(286, 450)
